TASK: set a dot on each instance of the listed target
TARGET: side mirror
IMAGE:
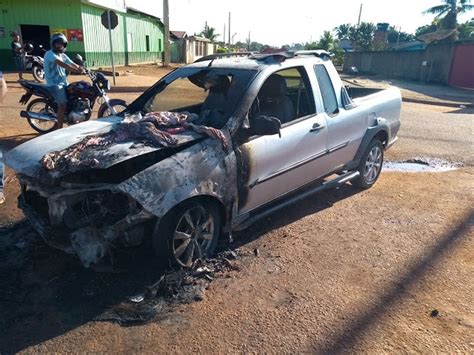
(265, 126)
(78, 59)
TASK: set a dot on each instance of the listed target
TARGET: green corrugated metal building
(138, 38)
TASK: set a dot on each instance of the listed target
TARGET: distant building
(408, 46)
(138, 38)
(186, 49)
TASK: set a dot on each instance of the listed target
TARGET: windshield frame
(140, 102)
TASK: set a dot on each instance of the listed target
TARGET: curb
(438, 103)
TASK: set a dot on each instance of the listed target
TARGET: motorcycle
(34, 63)
(41, 112)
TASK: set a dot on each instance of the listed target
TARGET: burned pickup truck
(209, 149)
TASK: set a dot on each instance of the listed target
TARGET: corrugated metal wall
(131, 34)
(66, 14)
(53, 13)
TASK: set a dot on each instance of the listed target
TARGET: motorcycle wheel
(117, 104)
(38, 73)
(41, 106)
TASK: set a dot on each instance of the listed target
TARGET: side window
(327, 90)
(286, 95)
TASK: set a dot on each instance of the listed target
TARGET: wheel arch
(211, 199)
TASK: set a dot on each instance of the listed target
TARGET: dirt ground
(384, 270)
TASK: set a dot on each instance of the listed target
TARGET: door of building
(36, 35)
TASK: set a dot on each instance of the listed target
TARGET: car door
(279, 165)
(345, 128)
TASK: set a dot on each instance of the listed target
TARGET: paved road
(383, 270)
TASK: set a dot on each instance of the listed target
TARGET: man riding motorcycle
(56, 62)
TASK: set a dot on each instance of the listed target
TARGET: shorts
(59, 93)
(19, 63)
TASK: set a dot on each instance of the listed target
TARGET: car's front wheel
(370, 165)
(188, 232)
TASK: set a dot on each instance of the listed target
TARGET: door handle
(316, 127)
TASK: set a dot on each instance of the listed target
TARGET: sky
(284, 22)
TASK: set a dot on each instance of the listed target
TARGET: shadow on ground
(45, 293)
(363, 322)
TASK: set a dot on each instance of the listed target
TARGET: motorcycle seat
(37, 88)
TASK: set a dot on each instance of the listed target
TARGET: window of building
(147, 41)
(160, 44)
(327, 90)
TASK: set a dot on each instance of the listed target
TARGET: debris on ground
(173, 288)
(434, 313)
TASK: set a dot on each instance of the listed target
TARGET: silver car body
(249, 177)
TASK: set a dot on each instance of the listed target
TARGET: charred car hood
(26, 158)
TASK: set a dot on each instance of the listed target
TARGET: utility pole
(248, 43)
(223, 35)
(111, 47)
(360, 14)
(166, 39)
(229, 39)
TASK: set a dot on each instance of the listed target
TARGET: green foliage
(343, 31)
(327, 42)
(466, 30)
(362, 36)
(256, 47)
(392, 36)
(209, 33)
(427, 28)
(311, 46)
(448, 13)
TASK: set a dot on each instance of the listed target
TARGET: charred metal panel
(204, 169)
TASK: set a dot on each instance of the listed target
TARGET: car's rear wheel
(188, 232)
(370, 165)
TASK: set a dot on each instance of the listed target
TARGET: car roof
(260, 61)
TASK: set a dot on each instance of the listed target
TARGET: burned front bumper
(84, 220)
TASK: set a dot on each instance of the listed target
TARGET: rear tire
(188, 232)
(41, 106)
(370, 165)
(38, 73)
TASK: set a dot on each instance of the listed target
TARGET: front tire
(117, 104)
(41, 106)
(370, 165)
(38, 73)
(188, 232)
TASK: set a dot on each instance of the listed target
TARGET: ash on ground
(172, 289)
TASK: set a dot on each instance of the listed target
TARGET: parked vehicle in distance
(277, 128)
(34, 63)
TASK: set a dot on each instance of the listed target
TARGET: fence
(432, 64)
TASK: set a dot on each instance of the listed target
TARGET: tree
(256, 47)
(311, 46)
(427, 28)
(448, 13)
(392, 36)
(327, 42)
(343, 31)
(362, 37)
(466, 30)
(209, 33)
